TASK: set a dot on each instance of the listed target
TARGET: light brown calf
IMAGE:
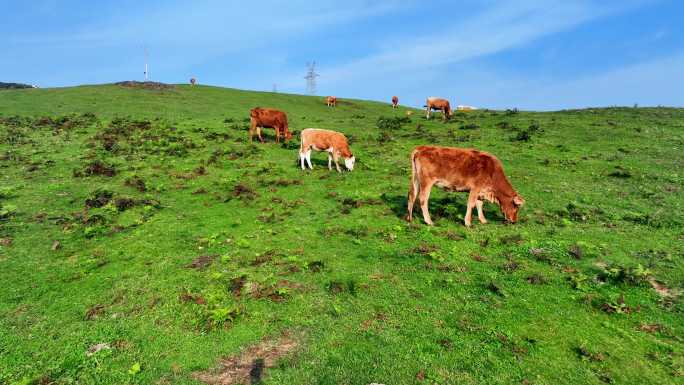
(395, 102)
(334, 143)
(458, 169)
(331, 101)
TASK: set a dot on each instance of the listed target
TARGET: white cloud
(648, 83)
(231, 24)
(503, 26)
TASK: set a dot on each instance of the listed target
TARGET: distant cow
(193, 81)
(334, 143)
(331, 101)
(395, 102)
(268, 118)
(458, 169)
(439, 104)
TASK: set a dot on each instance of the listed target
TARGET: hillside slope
(145, 220)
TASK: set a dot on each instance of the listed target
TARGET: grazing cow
(331, 101)
(395, 102)
(458, 169)
(193, 81)
(334, 143)
(438, 104)
(268, 118)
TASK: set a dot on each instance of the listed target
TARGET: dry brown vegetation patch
(144, 85)
(249, 366)
(201, 262)
(663, 290)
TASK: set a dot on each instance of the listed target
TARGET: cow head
(510, 206)
(288, 135)
(349, 163)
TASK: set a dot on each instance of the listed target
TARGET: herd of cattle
(454, 169)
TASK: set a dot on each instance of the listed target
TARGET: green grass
(328, 256)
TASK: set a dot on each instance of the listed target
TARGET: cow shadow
(448, 207)
(318, 163)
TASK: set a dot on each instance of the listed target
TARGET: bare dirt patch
(201, 262)
(650, 328)
(190, 297)
(94, 312)
(663, 290)
(250, 365)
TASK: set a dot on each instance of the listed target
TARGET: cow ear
(518, 201)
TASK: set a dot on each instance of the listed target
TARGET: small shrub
(392, 123)
(98, 198)
(136, 182)
(7, 210)
(504, 125)
(97, 167)
(522, 136)
(469, 126)
(620, 172)
(635, 276)
(339, 287)
(617, 306)
(385, 137)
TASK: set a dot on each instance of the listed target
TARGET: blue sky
(528, 54)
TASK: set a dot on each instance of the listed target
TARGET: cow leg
(308, 158)
(252, 129)
(302, 158)
(258, 131)
(424, 197)
(277, 134)
(336, 159)
(329, 161)
(472, 202)
(480, 213)
(413, 191)
(427, 116)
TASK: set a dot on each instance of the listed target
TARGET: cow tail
(415, 183)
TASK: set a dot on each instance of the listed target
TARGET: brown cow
(268, 118)
(395, 102)
(438, 104)
(331, 101)
(193, 81)
(333, 142)
(458, 169)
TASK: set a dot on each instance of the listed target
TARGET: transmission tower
(310, 77)
(147, 72)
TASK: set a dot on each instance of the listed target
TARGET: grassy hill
(144, 220)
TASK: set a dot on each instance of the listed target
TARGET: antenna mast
(310, 77)
(147, 72)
